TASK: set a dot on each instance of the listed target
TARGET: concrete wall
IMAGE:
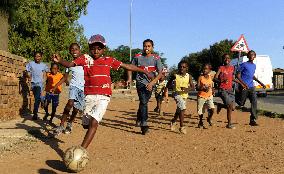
(12, 102)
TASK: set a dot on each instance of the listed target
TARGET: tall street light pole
(130, 31)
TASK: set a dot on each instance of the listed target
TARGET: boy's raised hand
(56, 58)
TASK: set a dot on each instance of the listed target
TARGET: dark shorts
(54, 98)
(227, 96)
(159, 96)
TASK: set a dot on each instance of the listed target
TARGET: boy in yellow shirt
(52, 95)
(182, 84)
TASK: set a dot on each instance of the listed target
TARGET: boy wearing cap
(97, 86)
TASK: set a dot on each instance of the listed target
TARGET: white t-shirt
(77, 79)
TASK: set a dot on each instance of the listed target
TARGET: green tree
(213, 55)
(7, 9)
(47, 26)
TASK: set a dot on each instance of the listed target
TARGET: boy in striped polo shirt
(144, 85)
(97, 82)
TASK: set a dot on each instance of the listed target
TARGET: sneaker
(58, 130)
(253, 123)
(209, 120)
(173, 126)
(182, 130)
(230, 126)
(138, 123)
(68, 128)
(156, 110)
(200, 124)
(144, 130)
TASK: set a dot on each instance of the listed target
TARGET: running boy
(52, 95)
(97, 86)
(160, 94)
(37, 73)
(246, 76)
(76, 92)
(182, 84)
(225, 77)
(144, 85)
(205, 95)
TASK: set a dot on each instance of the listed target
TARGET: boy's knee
(93, 122)
(70, 103)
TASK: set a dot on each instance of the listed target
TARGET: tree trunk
(4, 26)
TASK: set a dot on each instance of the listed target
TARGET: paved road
(273, 102)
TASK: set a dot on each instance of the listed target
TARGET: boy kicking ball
(97, 86)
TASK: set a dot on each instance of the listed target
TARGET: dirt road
(119, 147)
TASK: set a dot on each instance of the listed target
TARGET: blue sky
(179, 27)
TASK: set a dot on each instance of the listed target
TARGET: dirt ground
(118, 146)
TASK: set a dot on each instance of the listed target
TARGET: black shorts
(159, 96)
(227, 96)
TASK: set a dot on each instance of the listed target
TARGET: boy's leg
(66, 111)
(55, 102)
(241, 97)
(157, 106)
(96, 106)
(37, 93)
(93, 125)
(200, 110)
(139, 92)
(77, 101)
(181, 117)
(200, 123)
(68, 128)
(144, 97)
(73, 115)
(161, 113)
(46, 104)
(253, 112)
(210, 103)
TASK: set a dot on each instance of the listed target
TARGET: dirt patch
(120, 148)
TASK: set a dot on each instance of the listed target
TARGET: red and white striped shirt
(97, 73)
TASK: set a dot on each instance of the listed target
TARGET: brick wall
(12, 102)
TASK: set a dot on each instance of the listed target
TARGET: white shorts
(95, 106)
(202, 102)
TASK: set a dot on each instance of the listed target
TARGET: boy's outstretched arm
(56, 58)
(131, 68)
(256, 79)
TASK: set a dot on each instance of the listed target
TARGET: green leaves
(212, 55)
(47, 26)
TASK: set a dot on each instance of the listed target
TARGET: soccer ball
(76, 158)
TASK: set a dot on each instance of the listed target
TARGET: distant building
(278, 78)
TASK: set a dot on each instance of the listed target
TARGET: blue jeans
(144, 97)
(51, 98)
(37, 94)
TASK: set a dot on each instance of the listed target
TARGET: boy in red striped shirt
(97, 87)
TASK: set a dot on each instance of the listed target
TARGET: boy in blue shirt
(246, 76)
(37, 73)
